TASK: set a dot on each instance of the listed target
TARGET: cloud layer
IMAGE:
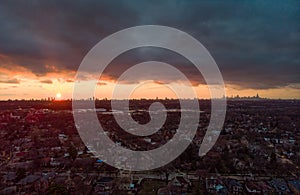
(255, 43)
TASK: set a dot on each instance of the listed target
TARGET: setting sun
(58, 95)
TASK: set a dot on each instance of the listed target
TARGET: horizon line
(106, 99)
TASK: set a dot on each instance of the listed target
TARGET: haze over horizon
(256, 45)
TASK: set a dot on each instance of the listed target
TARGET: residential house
(183, 183)
(252, 188)
(294, 186)
(214, 185)
(280, 186)
(234, 186)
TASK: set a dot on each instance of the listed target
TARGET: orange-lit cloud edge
(21, 83)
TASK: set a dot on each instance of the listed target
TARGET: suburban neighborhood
(257, 152)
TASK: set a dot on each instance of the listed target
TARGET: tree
(273, 159)
(72, 152)
(57, 189)
(167, 176)
(85, 150)
(21, 173)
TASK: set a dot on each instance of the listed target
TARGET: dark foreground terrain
(258, 151)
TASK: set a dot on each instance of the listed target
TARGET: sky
(256, 45)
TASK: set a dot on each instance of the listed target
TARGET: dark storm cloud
(255, 43)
